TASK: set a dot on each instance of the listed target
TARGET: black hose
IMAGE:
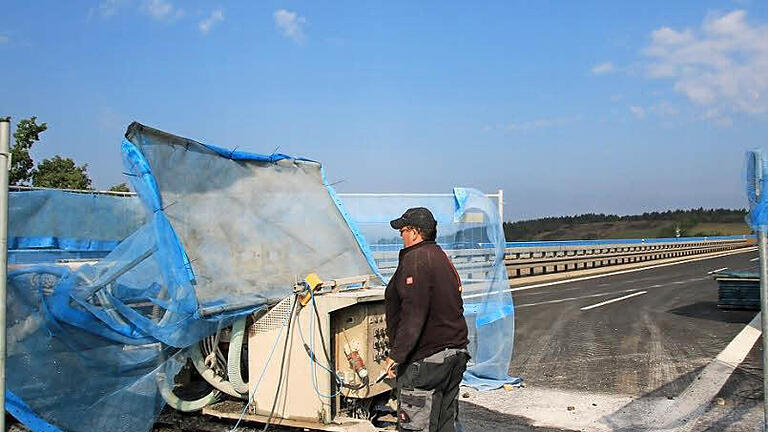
(338, 380)
(320, 329)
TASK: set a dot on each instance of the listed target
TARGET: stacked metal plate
(738, 290)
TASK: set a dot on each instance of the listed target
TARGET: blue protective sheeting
(65, 244)
(757, 190)
(90, 348)
(17, 408)
(71, 221)
(465, 220)
(361, 241)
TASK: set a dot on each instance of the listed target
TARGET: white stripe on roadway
(613, 300)
(715, 271)
(564, 281)
(754, 259)
(681, 415)
(579, 279)
(518, 306)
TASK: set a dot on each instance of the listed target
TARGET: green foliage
(61, 173)
(555, 227)
(122, 187)
(27, 133)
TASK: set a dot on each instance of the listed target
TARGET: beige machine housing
(352, 324)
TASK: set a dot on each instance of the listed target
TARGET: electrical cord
(320, 328)
(314, 361)
(282, 366)
(328, 358)
(263, 372)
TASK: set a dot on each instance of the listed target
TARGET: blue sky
(570, 107)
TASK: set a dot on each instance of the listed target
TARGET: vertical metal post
(762, 240)
(762, 243)
(5, 155)
(501, 206)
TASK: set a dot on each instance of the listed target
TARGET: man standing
(426, 328)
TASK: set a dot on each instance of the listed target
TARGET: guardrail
(532, 260)
(529, 259)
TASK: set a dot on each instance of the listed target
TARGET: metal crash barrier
(522, 261)
(529, 261)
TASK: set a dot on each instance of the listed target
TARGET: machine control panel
(361, 346)
(378, 338)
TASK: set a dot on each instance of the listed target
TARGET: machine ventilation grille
(275, 318)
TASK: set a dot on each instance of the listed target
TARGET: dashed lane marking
(565, 281)
(613, 300)
(603, 294)
(518, 306)
(715, 271)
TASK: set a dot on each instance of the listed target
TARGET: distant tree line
(57, 172)
(684, 219)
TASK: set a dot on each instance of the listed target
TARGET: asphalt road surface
(652, 343)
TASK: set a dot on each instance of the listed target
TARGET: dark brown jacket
(425, 312)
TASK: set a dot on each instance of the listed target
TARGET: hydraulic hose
(211, 376)
(233, 357)
(180, 404)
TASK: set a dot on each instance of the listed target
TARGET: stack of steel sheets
(738, 290)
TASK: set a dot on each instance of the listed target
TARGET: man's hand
(389, 367)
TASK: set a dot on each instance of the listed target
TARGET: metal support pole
(501, 206)
(762, 240)
(5, 138)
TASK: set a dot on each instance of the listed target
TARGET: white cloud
(161, 10)
(719, 67)
(107, 8)
(542, 123)
(290, 25)
(3, 38)
(603, 68)
(217, 15)
(637, 111)
(664, 109)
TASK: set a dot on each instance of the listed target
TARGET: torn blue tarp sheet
(222, 235)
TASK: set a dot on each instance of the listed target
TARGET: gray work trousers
(428, 394)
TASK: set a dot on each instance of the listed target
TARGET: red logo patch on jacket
(409, 280)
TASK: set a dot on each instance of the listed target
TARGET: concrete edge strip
(694, 400)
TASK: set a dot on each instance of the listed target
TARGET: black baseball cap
(418, 217)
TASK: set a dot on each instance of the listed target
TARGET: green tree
(122, 187)
(27, 133)
(61, 173)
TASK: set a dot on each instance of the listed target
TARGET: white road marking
(613, 300)
(518, 306)
(737, 350)
(565, 299)
(715, 271)
(564, 281)
(754, 259)
(693, 401)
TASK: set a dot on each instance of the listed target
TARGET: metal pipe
(762, 239)
(501, 206)
(5, 156)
